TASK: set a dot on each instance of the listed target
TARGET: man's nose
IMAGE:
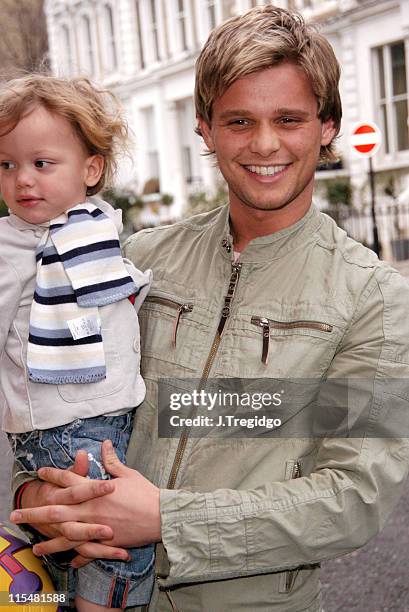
(265, 140)
(24, 178)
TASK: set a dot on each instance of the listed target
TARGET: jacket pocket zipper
(180, 309)
(267, 324)
(291, 575)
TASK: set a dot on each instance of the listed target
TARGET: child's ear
(94, 166)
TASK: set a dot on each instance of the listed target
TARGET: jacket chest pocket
(170, 335)
(267, 347)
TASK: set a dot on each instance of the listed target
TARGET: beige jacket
(26, 405)
(246, 522)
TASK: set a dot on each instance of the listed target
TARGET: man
(265, 288)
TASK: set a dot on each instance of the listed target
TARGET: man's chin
(268, 206)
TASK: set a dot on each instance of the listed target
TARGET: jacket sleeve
(10, 292)
(351, 491)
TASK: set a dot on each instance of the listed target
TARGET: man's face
(44, 168)
(267, 138)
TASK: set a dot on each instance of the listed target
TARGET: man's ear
(328, 132)
(206, 132)
(94, 166)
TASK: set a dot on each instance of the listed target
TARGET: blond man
(267, 288)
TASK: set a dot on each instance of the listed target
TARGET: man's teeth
(265, 170)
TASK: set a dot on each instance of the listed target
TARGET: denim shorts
(114, 584)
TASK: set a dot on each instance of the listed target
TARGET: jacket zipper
(234, 279)
(180, 308)
(291, 575)
(267, 324)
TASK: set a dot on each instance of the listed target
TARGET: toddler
(69, 335)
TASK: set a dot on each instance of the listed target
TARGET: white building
(145, 51)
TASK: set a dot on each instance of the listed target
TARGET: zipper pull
(296, 470)
(183, 308)
(265, 324)
(234, 279)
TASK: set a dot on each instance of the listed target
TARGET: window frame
(87, 45)
(111, 58)
(390, 129)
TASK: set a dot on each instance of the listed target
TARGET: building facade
(145, 51)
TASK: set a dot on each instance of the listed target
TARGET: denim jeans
(115, 584)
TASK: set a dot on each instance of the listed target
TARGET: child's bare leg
(83, 605)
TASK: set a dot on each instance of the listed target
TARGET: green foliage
(390, 187)
(167, 199)
(339, 191)
(122, 199)
(3, 209)
(202, 202)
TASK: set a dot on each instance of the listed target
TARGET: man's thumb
(110, 460)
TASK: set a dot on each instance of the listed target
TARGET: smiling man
(267, 137)
(263, 288)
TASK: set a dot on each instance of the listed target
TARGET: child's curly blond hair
(95, 114)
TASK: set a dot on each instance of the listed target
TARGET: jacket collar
(22, 225)
(272, 246)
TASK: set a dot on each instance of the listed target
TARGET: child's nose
(24, 178)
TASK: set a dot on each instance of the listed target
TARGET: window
(66, 51)
(154, 30)
(186, 120)
(111, 58)
(87, 56)
(392, 95)
(139, 33)
(211, 13)
(181, 17)
(152, 155)
(299, 5)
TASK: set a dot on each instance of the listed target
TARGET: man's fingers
(80, 561)
(95, 550)
(81, 464)
(62, 478)
(72, 535)
(83, 492)
(55, 545)
(45, 514)
(110, 460)
(84, 531)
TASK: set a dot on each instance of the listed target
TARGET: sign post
(366, 140)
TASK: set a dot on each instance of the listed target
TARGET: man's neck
(249, 223)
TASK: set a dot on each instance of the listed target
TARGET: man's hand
(130, 508)
(39, 493)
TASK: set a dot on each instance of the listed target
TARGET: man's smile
(266, 170)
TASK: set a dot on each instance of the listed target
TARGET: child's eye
(42, 163)
(7, 165)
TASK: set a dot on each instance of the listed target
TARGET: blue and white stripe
(79, 268)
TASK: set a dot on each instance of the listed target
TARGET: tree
(23, 37)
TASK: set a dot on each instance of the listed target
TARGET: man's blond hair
(93, 113)
(259, 39)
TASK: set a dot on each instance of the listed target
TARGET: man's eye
(6, 165)
(239, 122)
(41, 163)
(288, 120)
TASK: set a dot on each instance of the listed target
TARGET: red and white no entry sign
(366, 138)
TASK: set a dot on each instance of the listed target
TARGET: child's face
(44, 167)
